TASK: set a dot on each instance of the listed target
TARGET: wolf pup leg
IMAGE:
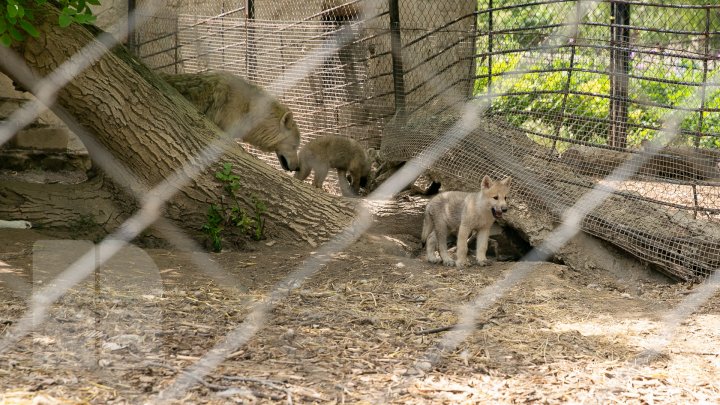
(481, 245)
(462, 245)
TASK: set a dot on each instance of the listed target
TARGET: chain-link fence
(589, 100)
(414, 80)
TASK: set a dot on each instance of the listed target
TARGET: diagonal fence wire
(46, 89)
(150, 211)
(117, 172)
(470, 120)
(569, 227)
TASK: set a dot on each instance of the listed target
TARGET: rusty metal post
(131, 38)
(619, 70)
(250, 48)
(490, 51)
(397, 61)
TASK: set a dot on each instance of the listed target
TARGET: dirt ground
(356, 332)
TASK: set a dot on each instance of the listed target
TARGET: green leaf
(29, 28)
(64, 20)
(93, 2)
(69, 11)
(5, 40)
(3, 25)
(16, 35)
(85, 18)
(12, 10)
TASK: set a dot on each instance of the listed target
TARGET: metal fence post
(397, 62)
(568, 81)
(619, 69)
(131, 39)
(490, 51)
(250, 51)
(473, 52)
(701, 117)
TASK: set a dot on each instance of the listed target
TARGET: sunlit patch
(632, 331)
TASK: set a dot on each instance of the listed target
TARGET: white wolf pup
(344, 154)
(461, 213)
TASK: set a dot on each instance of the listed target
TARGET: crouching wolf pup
(226, 98)
(344, 154)
(461, 213)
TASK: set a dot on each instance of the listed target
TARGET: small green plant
(228, 213)
(18, 17)
(213, 227)
(260, 209)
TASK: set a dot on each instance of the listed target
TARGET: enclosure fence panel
(581, 104)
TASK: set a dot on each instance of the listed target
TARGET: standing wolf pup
(226, 98)
(337, 152)
(461, 213)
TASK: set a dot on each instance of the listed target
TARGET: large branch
(152, 130)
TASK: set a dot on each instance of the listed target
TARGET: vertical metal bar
(473, 52)
(250, 60)
(397, 61)
(222, 34)
(131, 39)
(490, 51)
(177, 45)
(701, 117)
(566, 92)
(566, 88)
(619, 69)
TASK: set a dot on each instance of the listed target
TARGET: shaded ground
(353, 333)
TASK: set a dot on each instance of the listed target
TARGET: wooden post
(619, 69)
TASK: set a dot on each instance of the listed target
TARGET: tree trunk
(152, 130)
(61, 205)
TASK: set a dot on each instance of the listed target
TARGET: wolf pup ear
(287, 120)
(506, 181)
(486, 182)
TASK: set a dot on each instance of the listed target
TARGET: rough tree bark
(152, 130)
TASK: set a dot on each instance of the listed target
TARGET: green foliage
(534, 100)
(16, 18)
(228, 213)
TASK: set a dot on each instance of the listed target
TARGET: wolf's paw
(434, 260)
(449, 262)
(483, 262)
(461, 263)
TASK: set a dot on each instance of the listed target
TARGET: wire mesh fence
(418, 63)
(590, 100)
